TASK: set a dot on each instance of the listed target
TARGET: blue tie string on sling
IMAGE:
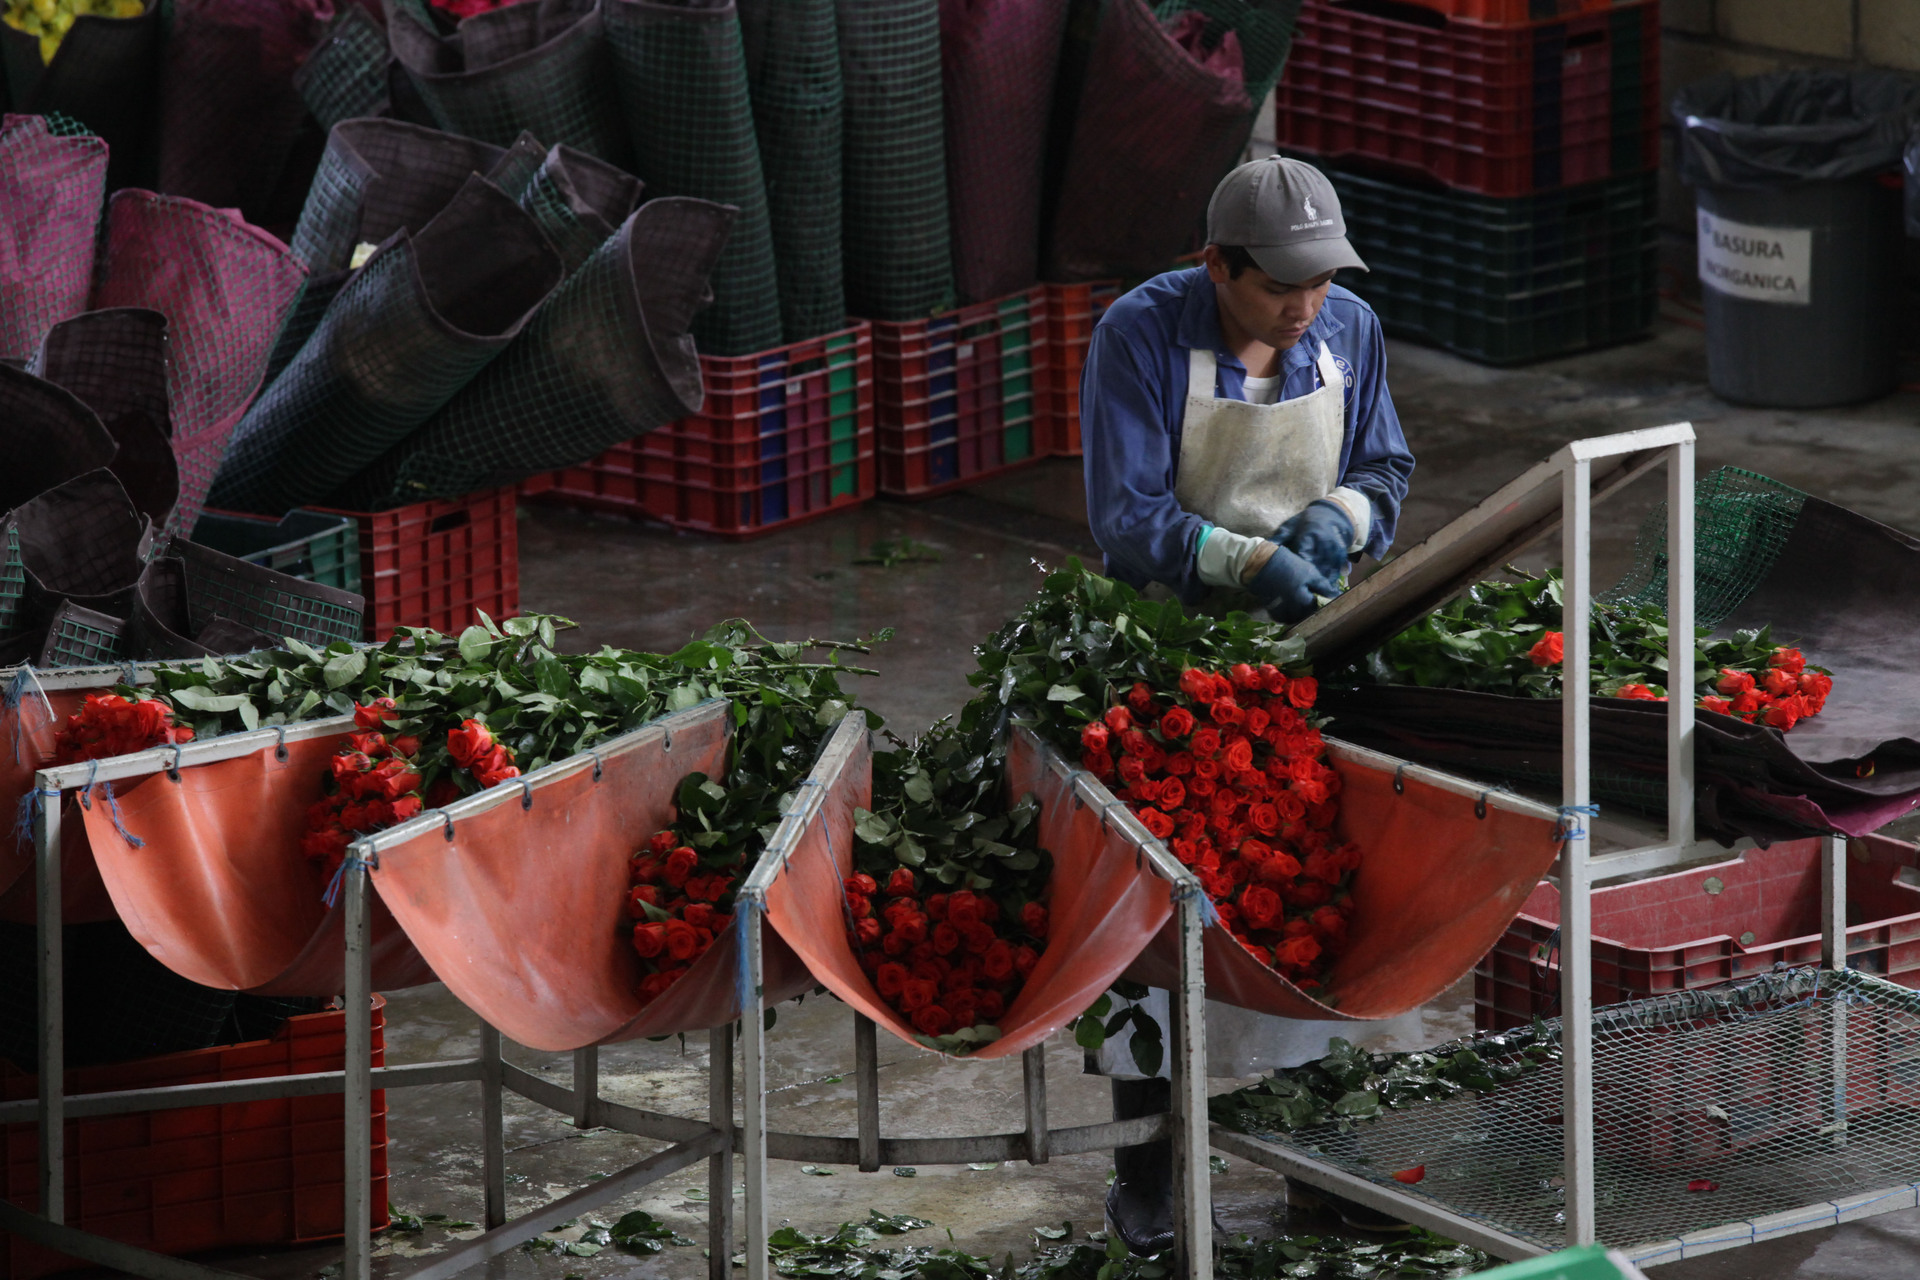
(113, 805)
(332, 895)
(24, 682)
(1570, 828)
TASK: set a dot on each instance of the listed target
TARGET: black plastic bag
(1794, 126)
(424, 315)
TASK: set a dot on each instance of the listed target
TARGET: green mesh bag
(895, 240)
(106, 75)
(51, 186)
(410, 328)
(80, 637)
(683, 84)
(1263, 27)
(578, 202)
(1740, 523)
(608, 358)
(345, 77)
(115, 363)
(793, 72)
(540, 66)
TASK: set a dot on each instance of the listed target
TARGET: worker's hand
(1286, 585)
(1320, 535)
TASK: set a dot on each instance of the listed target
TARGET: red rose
(891, 980)
(1749, 701)
(1297, 953)
(1785, 713)
(946, 938)
(1788, 660)
(1240, 755)
(1309, 893)
(371, 744)
(1259, 906)
(661, 843)
(859, 905)
(989, 1006)
(1721, 705)
(867, 932)
(1226, 711)
(1302, 690)
(932, 1020)
(1140, 699)
(682, 941)
(1176, 723)
(900, 883)
(376, 713)
(1094, 736)
(1204, 745)
(937, 906)
(647, 893)
(1816, 683)
(1196, 684)
(1173, 794)
(918, 993)
(469, 742)
(406, 745)
(1638, 693)
(1733, 682)
(1257, 721)
(1329, 922)
(405, 807)
(1024, 958)
(997, 962)
(1157, 822)
(680, 865)
(1134, 742)
(1243, 676)
(1548, 649)
(1780, 683)
(976, 937)
(325, 845)
(1119, 719)
(1265, 818)
(963, 907)
(1033, 918)
(1097, 763)
(649, 939)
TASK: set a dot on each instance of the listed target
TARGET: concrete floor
(1472, 429)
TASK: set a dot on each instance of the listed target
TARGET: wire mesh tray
(1720, 1117)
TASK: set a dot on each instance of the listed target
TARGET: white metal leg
(53, 1023)
(1187, 1071)
(1833, 902)
(1680, 650)
(356, 1259)
(720, 1164)
(753, 1041)
(1576, 921)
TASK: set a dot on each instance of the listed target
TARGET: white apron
(1249, 468)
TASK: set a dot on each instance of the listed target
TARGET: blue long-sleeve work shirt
(1133, 396)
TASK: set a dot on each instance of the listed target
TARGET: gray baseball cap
(1285, 214)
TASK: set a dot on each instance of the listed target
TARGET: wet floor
(960, 565)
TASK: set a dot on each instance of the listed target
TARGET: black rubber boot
(1140, 1201)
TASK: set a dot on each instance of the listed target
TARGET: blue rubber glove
(1320, 535)
(1287, 585)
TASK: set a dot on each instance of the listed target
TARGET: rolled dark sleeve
(1128, 453)
(1378, 462)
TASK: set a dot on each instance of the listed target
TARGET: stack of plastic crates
(785, 435)
(1072, 311)
(1496, 162)
(963, 394)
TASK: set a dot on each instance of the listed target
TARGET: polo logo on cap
(1306, 203)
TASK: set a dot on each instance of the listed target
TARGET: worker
(1241, 449)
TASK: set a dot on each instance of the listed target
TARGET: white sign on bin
(1765, 264)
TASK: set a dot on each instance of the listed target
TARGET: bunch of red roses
(678, 910)
(473, 748)
(1779, 695)
(947, 961)
(1230, 773)
(371, 785)
(110, 725)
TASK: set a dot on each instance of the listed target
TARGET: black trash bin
(1796, 183)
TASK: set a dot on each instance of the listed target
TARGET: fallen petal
(1698, 1184)
(1410, 1176)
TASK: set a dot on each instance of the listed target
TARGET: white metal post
(1576, 921)
(53, 1024)
(753, 1043)
(493, 1133)
(586, 1085)
(1833, 955)
(1187, 1071)
(1681, 694)
(356, 1256)
(720, 1164)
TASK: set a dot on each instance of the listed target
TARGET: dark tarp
(1788, 127)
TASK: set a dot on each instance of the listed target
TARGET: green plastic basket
(307, 545)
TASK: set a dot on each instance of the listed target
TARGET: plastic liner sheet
(1441, 876)
(48, 438)
(219, 892)
(52, 188)
(998, 59)
(411, 327)
(793, 74)
(229, 113)
(1104, 906)
(1159, 112)
(538, 65)
(896, 245)
(607, 358)
(225, 288)
(683, 85)
(579, 202)
(115, 362)
(519, 900)
(104, 74)
(345, 77)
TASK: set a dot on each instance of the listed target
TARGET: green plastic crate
(308, 545)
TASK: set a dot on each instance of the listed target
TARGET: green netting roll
(793, 71)
(896, 242)
(608, 358)
(683, 84)
(414, 325)
(345, 77)
(579, 201)
(539, 66)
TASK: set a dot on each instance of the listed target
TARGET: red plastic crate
(1498, 110)
(194, 1178)
(961, 395)
(433, 564)
(785, 435)
(1072, 311)
(1508, 13)
(1670, 933)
